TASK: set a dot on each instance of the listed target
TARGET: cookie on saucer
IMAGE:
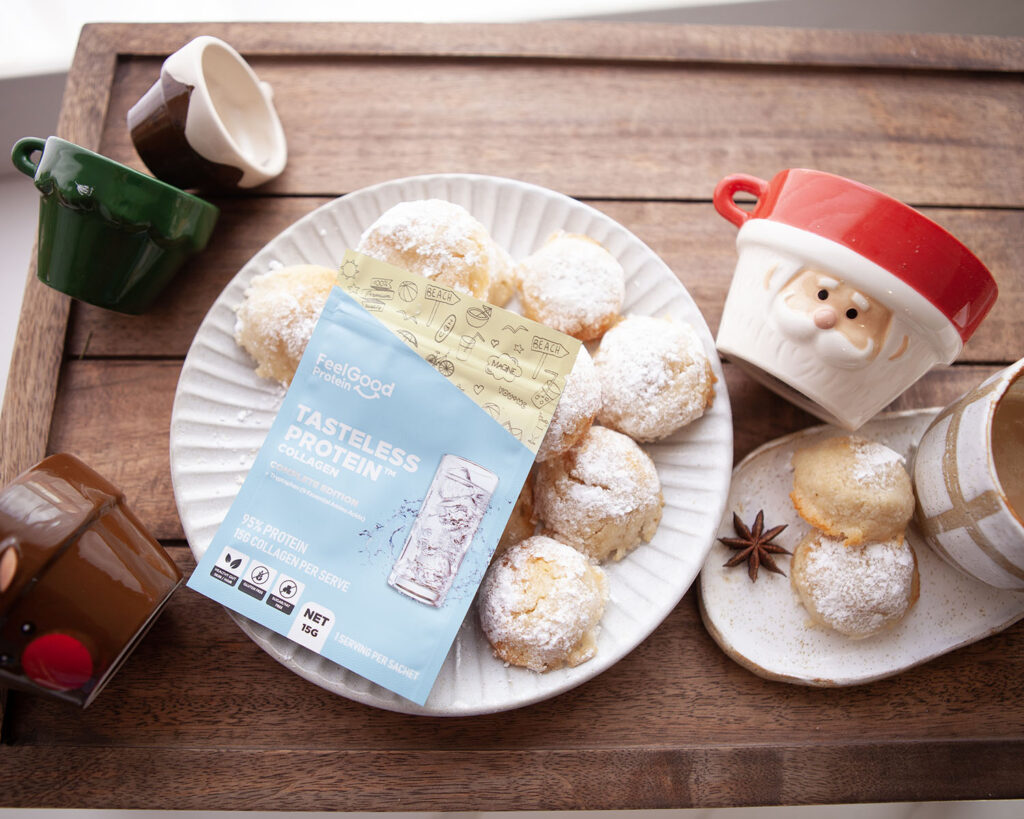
(852, 488)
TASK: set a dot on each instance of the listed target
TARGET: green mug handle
(22, 152)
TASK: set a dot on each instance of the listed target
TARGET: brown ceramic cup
(81, 580)
(209, 123)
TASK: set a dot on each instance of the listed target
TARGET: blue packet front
(371, 511)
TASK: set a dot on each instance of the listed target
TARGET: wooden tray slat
(692, 239)
(633, 42)
(39, 341)
(107, 408)
(650, 130)
(640, 777)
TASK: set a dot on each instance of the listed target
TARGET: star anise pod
(754, 545)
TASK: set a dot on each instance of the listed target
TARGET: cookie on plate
(655, 377)
(576, 408)
(572, 284)
(540, 605)
(855, 590)
(277, 316)
(438, 240)
(602, 497)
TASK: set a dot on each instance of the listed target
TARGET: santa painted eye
(823, 294)
(851, 313)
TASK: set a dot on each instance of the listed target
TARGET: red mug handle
(729, 187)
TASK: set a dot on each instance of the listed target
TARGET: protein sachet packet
(372, 509)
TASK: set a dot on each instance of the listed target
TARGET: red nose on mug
(825, 318)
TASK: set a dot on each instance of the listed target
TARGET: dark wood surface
(641, 122)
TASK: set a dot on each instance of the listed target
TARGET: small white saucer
(762, 625)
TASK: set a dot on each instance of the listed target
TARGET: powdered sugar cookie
(602, 497)
(276, 318)
(574, 285)
(504, 279)
(521, 523)
(438, 240)
(540, 605)
(655, 377)
(855, 590)
(576, 408)
(852, 488)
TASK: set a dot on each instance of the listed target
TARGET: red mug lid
(872, 224)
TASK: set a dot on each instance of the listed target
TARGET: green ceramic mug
(109, 235)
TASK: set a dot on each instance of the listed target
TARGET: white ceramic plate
(222, 413)
(765, 629)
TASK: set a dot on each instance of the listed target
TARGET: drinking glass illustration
(443, 531)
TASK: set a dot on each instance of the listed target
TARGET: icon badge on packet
(389, 473)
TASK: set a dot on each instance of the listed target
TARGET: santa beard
(830, 346)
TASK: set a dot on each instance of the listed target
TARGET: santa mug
(843, 296)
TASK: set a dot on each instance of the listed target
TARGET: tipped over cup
(209, 122)
(81, 580)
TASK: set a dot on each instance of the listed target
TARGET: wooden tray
(641, 122)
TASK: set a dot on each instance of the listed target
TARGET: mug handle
(22, 152)
(729, 187)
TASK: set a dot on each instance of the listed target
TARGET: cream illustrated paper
(513, 368)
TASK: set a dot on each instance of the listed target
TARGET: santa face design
(842, 326)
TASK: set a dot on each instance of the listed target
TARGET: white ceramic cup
(209, 122)
(969, 479)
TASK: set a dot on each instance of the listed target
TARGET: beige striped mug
(969, 478)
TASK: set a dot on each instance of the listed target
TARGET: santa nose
(824, 318)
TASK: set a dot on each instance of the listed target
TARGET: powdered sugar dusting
(431, 237)
(602, 497)
(610, 475)
(276, 319)
(291, 316)
(576, 408)
(572, 284)
(540, 600)
(654, 376)
(857, 590)
(874, 464)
